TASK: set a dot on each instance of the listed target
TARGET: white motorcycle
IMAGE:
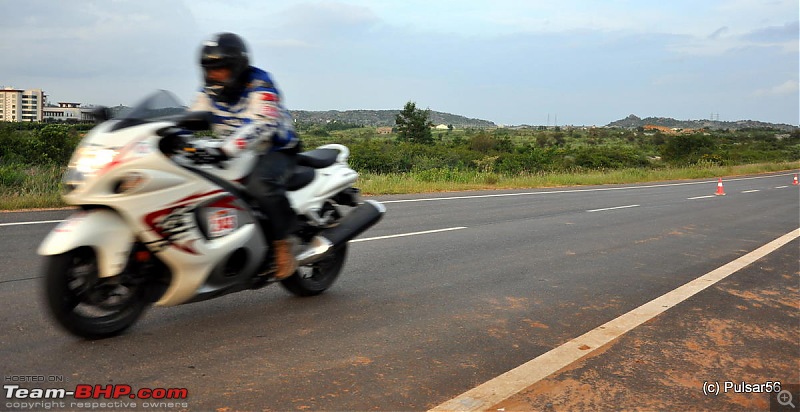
(155, 227)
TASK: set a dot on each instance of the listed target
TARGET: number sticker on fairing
(222, 222)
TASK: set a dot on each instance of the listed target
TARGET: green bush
(688, 149)
(56, 143)
(511, 151)
(604, 157)
(11, 175)
(44, 144)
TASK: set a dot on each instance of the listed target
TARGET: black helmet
(225, 50)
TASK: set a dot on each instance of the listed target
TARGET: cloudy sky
(584, 62)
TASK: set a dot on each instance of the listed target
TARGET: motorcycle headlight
(90, 159)
(86, 161)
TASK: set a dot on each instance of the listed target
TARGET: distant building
(17, 105)
(671, 130)
(65, 111)
(384, 130)
(21, 105)
(32, 103)
(662, 129)
(10, 104)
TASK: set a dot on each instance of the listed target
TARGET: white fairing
(147, 197)
(101, 229)
(328, 182)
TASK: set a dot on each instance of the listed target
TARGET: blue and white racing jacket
(258, 121)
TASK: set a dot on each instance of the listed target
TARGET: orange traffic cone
(795, 182)
(720, 189)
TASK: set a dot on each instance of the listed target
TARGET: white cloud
(285, 43)
(509, 61)
(789, 87)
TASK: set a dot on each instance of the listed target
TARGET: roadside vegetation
(416, 158)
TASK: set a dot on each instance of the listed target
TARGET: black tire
(85, 305)
(311, 280)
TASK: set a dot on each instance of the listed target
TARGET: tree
(414, 125)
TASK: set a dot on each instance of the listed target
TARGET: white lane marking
(781, 187)
(30, 223)
(352, 241)
(433, 199)
(751, 191)
(508, 384)
(408, 234)
(700, 197)
(612, 208)
(603, 189)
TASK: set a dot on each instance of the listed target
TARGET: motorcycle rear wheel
(86, 305)
(312, 280)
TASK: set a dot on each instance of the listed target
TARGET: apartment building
(32, 104)
(10, 104)
(17, 105)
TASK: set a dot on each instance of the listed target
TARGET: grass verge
(33, 187)
(439, 180)
(30, 187)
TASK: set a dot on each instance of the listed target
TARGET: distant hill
(373, 118)
(632, 122)
(378, 118)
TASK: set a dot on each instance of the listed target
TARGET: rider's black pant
(268, 184)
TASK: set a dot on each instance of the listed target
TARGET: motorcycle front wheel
(86, 305)
(311, 280)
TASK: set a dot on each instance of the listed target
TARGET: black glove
(174, 140)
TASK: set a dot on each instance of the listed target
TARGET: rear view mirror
(101, 114)
(196, 121)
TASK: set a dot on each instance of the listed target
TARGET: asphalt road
(447, 292)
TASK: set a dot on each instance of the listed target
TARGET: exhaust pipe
(356, 222)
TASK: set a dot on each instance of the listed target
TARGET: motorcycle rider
(249, 115)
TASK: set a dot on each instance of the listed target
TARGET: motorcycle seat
(317, 158)
(302, 176)
(304, 172)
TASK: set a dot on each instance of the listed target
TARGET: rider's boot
(284, 259)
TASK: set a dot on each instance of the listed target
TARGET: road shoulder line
(611, 208)
(506, 385)
(425, 232)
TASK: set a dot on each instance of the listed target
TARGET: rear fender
(101, 229)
